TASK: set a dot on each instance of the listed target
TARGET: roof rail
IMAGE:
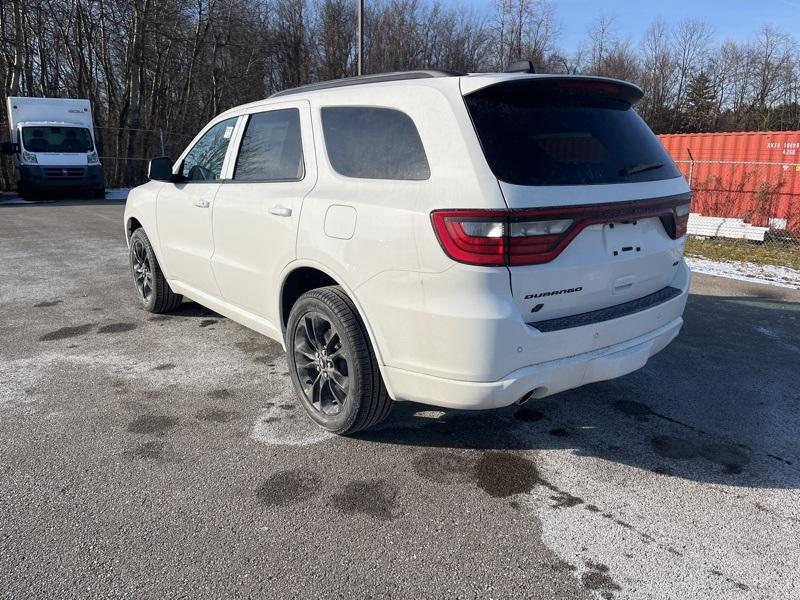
(362, 79)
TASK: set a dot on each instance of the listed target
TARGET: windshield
(558, 132)
(56, 139)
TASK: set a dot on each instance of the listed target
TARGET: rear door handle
(280, 211)
(202, 203)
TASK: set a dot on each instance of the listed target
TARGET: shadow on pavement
(719, 405)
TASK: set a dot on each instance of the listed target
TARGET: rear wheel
(332, 363)
(152, 288)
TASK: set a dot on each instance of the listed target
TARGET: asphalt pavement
(148, 456)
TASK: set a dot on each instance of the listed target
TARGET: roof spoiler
(624, 90)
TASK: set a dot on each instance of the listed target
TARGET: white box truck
(52, 142)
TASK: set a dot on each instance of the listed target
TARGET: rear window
(56, 139)
(373, 143)
(271, 149)
(556, 132)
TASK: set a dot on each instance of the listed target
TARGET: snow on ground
(746, 271)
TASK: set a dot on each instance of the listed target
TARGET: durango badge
(553, 293)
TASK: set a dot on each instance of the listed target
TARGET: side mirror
(9, 148)
(160, 169)
(99, 148)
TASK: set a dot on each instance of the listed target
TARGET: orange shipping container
(754, 176)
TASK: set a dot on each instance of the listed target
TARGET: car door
(257, 208)
(184, 210)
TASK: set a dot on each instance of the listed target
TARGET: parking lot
(166, 457)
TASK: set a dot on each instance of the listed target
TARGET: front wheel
(332, 363)
(152, 288)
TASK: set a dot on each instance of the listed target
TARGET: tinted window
(271, 149)
(563, 133)
(57, 139)
(204, 161)
(374, 143)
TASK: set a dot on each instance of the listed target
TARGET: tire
(365, 401)
(99, 193)
(145, 268)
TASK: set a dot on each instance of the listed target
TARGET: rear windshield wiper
(633, 169)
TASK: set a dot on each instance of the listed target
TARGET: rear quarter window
(374, 143)
(548, 132)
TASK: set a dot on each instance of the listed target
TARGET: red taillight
(536, 236)
(474, 237)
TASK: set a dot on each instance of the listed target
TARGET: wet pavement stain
(220, 394)
(501, 475)
(731, 458)
(47, 304)
(632, 408)
(207, 322)
(445, 467)
(565, 500)
(598, 579)
(164, 367)
(216, 415)
(152, 424)
(374, 497)
(66, 332)
(151, 450)
(559, 432)
(528, 415)
(117, 328)
(288, 487)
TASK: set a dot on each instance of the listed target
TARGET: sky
(730, 19)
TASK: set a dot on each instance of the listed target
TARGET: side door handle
(280, 211)
(202, 203)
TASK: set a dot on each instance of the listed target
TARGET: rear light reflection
(536, 236)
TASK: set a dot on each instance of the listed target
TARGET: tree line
(173, 64)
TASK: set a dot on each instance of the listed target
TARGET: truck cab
(53, 145)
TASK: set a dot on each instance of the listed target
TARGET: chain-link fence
(747, 211)
(125, 152)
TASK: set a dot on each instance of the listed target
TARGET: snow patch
(747, 271)
(287, 424)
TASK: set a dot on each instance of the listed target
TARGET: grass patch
(770, 253)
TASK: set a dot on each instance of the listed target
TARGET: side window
(271, 148)
(204, 161)
(373, 143)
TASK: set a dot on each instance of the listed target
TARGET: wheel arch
(131, 225)
(316, 275)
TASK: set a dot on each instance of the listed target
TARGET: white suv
(466, 241)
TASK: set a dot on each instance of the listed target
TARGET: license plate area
(622, 239)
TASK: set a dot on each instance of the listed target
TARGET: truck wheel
(152, 288)
(332, 363)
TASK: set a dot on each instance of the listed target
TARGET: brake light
(589, 86)
(536, 236)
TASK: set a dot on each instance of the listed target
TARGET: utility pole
(360, 37)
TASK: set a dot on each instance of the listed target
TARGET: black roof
(362, 79)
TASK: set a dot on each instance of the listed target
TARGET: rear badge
(553, 293)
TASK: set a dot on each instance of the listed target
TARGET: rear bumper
(486, 357)
(543, 379)
(54, 177)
